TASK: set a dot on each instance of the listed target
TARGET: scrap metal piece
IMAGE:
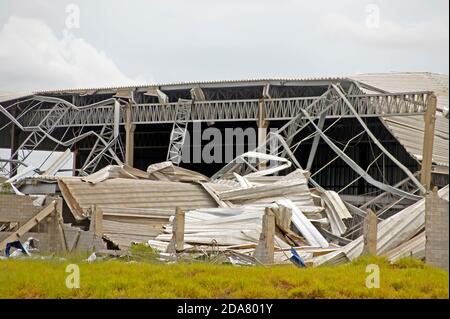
(306, 228)
(154, 91)
(336, 211)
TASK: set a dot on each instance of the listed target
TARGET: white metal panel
(409, 130)
(6, 96)
(131, 193)
(409, 82)
(392, 232)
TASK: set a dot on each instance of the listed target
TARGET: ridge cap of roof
(287, 79)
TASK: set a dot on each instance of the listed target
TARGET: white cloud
(33, 58)
(428, 35)
(176, 40)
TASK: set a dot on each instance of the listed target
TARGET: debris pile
(260, 217)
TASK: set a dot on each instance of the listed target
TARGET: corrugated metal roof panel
(191, 83)
(409, 82)
(129, 193)
(392, 232)
(6, 96)
(409, 130)
(391, 82)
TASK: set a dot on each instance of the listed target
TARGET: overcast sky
(61, 44)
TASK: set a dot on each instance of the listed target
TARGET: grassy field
(117, 279)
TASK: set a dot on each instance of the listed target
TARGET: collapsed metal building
(379, 140)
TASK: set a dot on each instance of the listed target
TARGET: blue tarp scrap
(15, 244)
(296, 259)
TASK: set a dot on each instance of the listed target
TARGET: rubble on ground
(241, 219)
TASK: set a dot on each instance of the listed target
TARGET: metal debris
(118, 206)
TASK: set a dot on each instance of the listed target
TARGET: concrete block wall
(20, 209)
(436, 230)
(86, 242)
(16, 208)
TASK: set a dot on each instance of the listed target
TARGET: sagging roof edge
(204, 84)
(408, 150)
(75, 209)
(244, 82)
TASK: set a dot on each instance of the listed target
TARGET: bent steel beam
(52, 119)
(356, 167)
(375, 140)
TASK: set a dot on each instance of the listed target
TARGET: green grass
(141, 252)
(28, 278)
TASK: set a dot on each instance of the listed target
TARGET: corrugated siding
(136, 193)
(409, 131)
(409, 82)
(188, 84)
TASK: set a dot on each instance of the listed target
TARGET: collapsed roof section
(408, 82)
(229, 210)
(125, 206)
(66, 117)
(128, 189)
(409, 130)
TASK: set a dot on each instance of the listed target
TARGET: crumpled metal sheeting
(302, 201)
(409, 131)
(231, 228)
(224, 237)
(252, 196)
(264, 191)
(130, 193)
(306, 210)
(392, 232)
(304, 226)
(166, 171)
(256, 180)
(114, 171)
(227, 171)
(224, 215)
(224, 226)
(123, 226)
(293, 186)
(206, 214)
(336, 212)
(414, 247)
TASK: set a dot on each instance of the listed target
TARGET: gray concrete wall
(436, 228)
(20, 209)
(15, 208)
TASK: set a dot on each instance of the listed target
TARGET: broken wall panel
(336, 211)
(126, 193)
(391, 233)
